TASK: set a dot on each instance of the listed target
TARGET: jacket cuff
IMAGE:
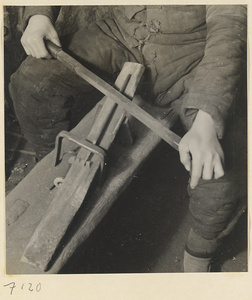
(50, 11)
(211, 105)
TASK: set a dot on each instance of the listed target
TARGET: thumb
(53, 37)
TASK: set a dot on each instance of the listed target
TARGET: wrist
(203, 122)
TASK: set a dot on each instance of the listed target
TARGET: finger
(208, 171)
(36, 46)
(26, 47)
(27, 50)
(55, 39)
(39, 49)
(218, 170)
(197, 167)
(185, 157)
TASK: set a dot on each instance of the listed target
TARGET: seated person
(194, 58)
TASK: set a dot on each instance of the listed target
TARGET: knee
(24, 81)
(31, 77)
(212, 204)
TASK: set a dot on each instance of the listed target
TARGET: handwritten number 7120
(29, 287)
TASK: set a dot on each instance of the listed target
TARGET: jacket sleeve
(50, 11)
(218, 74)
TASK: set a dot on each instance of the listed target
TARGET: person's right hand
(200, 150)
(39, 28)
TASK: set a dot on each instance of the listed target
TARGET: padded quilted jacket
(199, 50)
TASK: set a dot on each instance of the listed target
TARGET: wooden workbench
(27, 203)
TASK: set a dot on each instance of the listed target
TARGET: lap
(97, 51)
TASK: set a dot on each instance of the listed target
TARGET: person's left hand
(200, 150)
